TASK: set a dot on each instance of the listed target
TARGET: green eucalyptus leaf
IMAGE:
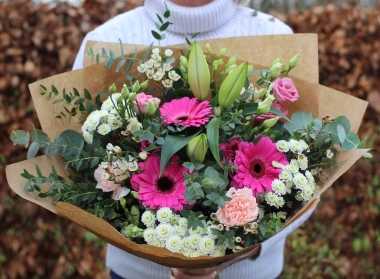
(341, 133)
(20, 137)
(33, 150)
(40, 137)
(352, 141)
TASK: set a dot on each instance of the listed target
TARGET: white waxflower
(164, 214)
(134, 125)
(282, 146)
(174, 243)
(149, 64)
(155, 50)
(148, 218)
(295, 146)
(149, 74)
(207, 244)
(141, 68)
(104, 129)
(167, 83)
(174, 76)
(300, 180)
(143, 155)
(117, 149)
(164, 231)
(166, 67)
(168, 52)
(156, 57)
(157, 76)
(109, 146)
(279, 187)
(329, 154)
(133, 166)
(149, 235)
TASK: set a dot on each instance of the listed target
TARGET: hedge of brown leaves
(37, 41)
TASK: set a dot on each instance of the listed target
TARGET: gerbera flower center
(165, 184)
(182, 117)
(257, 168)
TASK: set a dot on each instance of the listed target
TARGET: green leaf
(167, 14)
(164, 26)
(39, 136)
(33, 149)
(352, 141)
(171, 145)
(121, 63)
(194, 192)
(341, 133)
(213, 138)
(156, 35)
(20, 137)
(87, 95)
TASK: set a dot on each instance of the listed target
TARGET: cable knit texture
(218, 19)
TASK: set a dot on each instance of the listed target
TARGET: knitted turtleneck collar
(190, 20)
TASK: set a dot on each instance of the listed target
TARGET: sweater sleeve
(78, 63)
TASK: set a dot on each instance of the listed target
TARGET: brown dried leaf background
(340, 240)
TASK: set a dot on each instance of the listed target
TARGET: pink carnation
(284, 90)
(241, 209)
(141, 103)
(229, 149)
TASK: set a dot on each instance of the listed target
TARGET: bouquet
(184, 152)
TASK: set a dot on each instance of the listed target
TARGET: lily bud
(134, 194)
(197, 147)
(231, 86)
(112, 88)
(198, 73)
(135, 212)
(150, 108)
(268, 123)
(293, 62)
(221, 52)
(231, 61)
(259, 94)
(216, 111)
(136, 86)
(123, 202)
(275, 70)
(230, 68)
(125, 92)
(144, 85)
(250, 68)
(264, 106)
(216, 64)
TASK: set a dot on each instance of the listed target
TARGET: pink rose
(141, 103)
(284, 90)
(241, 209)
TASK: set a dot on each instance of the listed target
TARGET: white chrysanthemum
(87, 136)
(219, 251)
(182, 222)
(197, 230)
(164, 231)
(195, 239)
(174, 76)
(104, 129)
(185, 252)
(304, 145)
(210, 233)
(309, 176)
(166, 67)
(280, 202)
(314, 172)
(149, 235)
(168, 52)
(141, 68)
(174, 220)
(271, 198)
(261, 213)
(178, 230)
(293, 167)
(174, 243)
(285, 175)
(207, 245)
(282, 146)
(148, 218)
(300, 180)
(158, 243)
(295, 146)
(92, 121)
(187, 243)
(303, 164)
(278, 187)
(307, 193)
(277, 164)
(167, 83)
(164, 214)
(299, 197)
(196, 254)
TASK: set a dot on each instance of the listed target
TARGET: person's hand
(211, 272)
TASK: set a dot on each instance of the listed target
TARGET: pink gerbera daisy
(157, 191)
(254, 165)
(188, 112)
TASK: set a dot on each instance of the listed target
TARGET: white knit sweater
(218, 19)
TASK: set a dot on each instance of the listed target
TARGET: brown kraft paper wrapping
(259, 50)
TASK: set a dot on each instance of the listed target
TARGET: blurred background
(40, 39)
